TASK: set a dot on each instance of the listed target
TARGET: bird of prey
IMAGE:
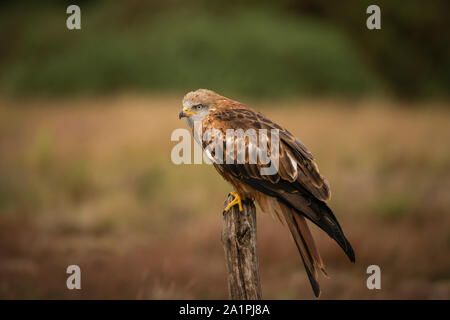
(294, 193)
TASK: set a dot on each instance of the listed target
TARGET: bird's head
(197, 104)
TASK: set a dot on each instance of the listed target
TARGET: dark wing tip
(350, 253)
(344, 244)
(342, 241)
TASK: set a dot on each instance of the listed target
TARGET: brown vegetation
(90, 182)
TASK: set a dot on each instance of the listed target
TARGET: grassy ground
(90, 182)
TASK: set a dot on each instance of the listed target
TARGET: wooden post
(239, 243)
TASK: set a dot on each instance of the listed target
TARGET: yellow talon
(236, 200)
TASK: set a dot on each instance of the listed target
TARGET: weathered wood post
(241, 255)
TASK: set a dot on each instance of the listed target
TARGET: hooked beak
(184, 113)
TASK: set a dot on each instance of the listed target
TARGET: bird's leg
(236, 200)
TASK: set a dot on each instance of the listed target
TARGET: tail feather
(304, 230)
(305, 245)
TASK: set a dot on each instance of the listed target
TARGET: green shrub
(250, 52)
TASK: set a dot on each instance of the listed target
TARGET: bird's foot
(236, 200)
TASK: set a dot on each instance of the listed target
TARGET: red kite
(294, 192)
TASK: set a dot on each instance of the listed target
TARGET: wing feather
(302, 193)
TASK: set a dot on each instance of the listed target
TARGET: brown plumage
(295, 192)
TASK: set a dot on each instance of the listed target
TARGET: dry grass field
(90, 182)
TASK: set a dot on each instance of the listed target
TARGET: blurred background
(85, 123)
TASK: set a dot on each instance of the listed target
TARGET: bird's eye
(198, 106)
